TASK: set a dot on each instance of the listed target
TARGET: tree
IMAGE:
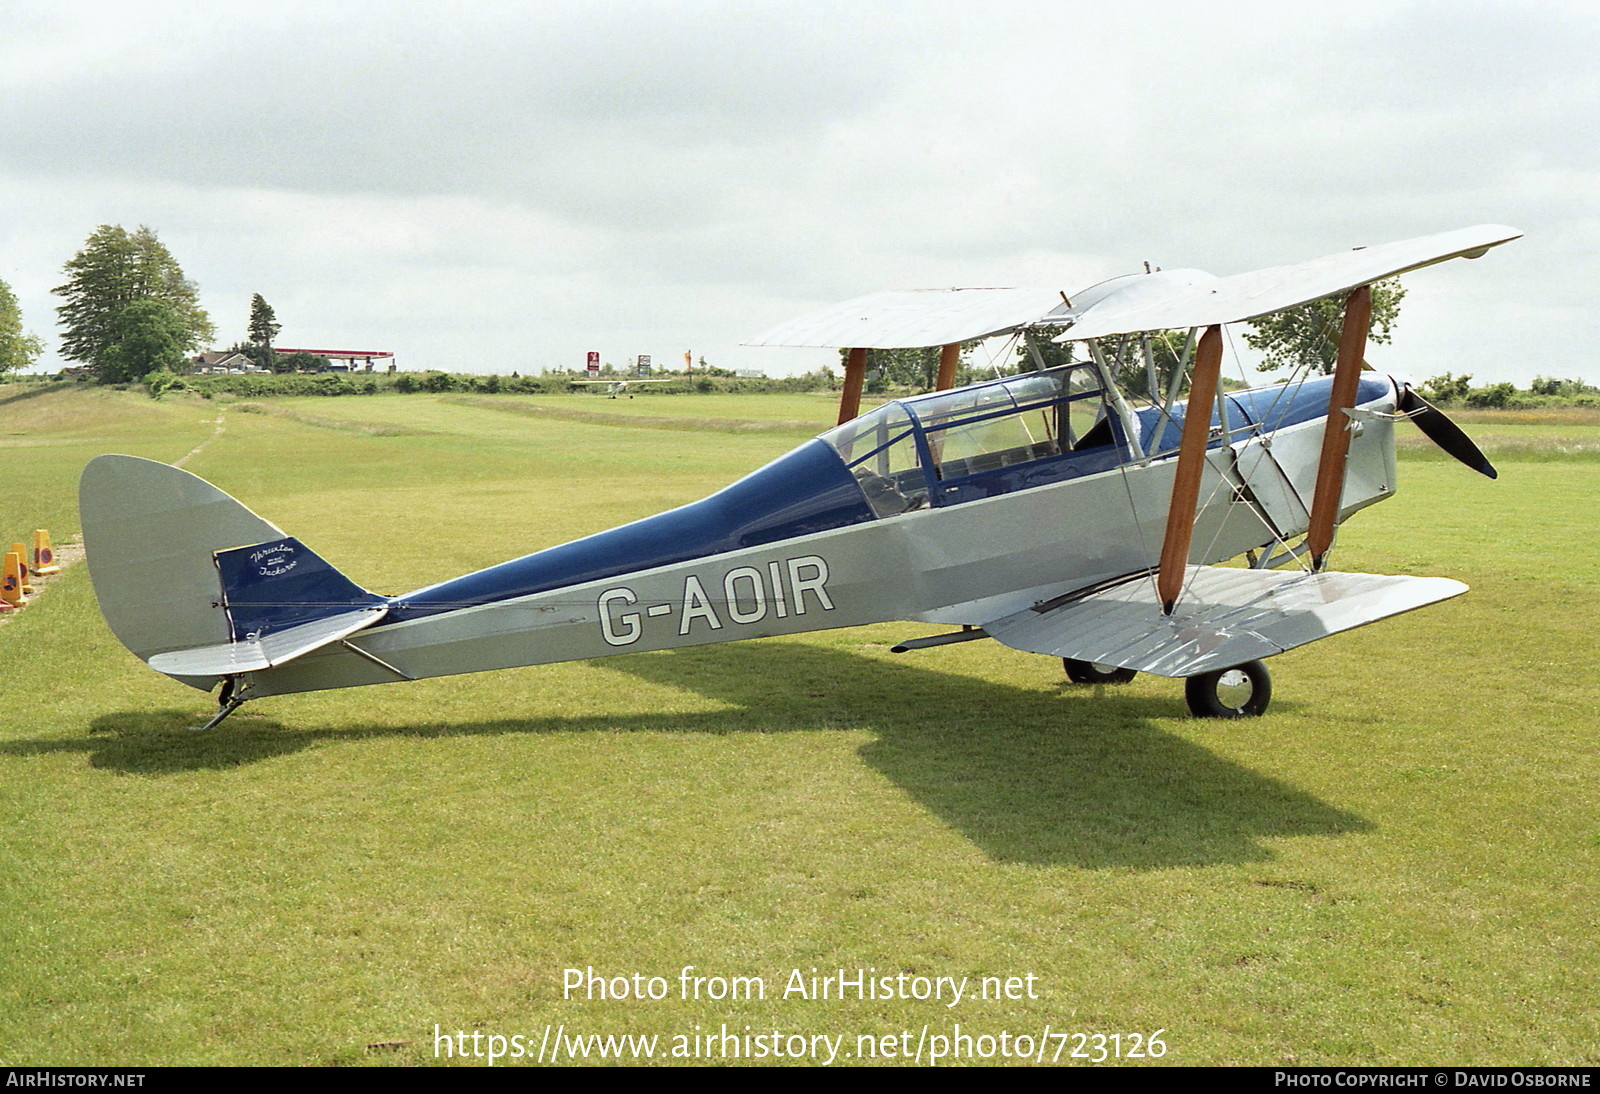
(264, 327)
(1124, 356)
(18, 348)
(1549, 385)
(916, 368)
(1447, 390)
(115, 270)
(1493, 397)
(1128, 364)
(1309, 335)
(1051, 353)
(148, 336)
(299, 362)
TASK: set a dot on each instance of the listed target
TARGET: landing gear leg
(228, 701)
(1240, 692)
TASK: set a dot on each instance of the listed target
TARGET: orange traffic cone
(22, 563)
(11, 580)
(44, 559)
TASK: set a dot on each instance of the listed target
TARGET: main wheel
(1092, 672)
(1240, 692)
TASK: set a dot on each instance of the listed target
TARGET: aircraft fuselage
(806, 545)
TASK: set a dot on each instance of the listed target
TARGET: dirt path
(195, 451)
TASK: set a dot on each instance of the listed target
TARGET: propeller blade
(1439, 429)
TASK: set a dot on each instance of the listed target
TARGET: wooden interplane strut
(949, 357)
(1191, 462)
(855, 374)
(1336, 433)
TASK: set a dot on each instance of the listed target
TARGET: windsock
(22, 562)
(44, 559)
(11, 580)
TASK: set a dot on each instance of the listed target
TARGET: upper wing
(939, 317)
(1261, 292)
(906, 320)
(1164, 300)
(1226, 617)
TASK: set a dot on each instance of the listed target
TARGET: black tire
(1088, 672)
(1240, 692)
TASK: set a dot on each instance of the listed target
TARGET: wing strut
(949, 357)
(855, 373)
(1336, 432)
(1191, 461)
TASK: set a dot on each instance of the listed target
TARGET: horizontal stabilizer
(1225, 617)
(263, 651)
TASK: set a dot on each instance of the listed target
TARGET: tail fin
(198, 586)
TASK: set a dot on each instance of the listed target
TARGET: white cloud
(474, 185)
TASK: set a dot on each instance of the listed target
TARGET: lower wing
(1224, 618)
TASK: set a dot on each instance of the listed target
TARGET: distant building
(223, 361)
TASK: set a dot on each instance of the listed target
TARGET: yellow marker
(44, 559)
(22, 561)
(11, 580)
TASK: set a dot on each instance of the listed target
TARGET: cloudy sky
(496, 186)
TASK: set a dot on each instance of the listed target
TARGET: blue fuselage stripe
(807, 491)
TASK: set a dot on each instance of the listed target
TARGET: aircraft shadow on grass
(1076, 775)
(1063, 776)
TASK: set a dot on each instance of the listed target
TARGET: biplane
(1049, 511)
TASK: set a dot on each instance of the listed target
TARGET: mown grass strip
(1569, 445)
(634, 421)
(321, 421)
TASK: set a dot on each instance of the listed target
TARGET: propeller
(1439, 429)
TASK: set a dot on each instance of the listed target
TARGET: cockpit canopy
(953, 446)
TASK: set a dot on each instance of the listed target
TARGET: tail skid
(198, 586)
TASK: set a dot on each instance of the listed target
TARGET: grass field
(1400, 863)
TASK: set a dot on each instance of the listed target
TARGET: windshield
(880, 448)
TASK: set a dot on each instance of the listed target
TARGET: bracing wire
(1264, 426)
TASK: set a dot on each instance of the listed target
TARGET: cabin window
(1032, 417)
